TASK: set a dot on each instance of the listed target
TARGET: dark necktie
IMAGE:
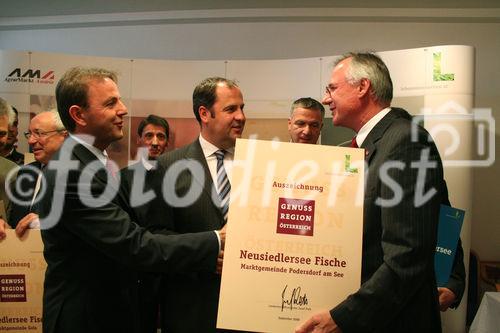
(223, 184)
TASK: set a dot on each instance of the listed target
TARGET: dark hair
(205, 93)
(308, 103)
(366, 65)
(153, 120)
(72, 89)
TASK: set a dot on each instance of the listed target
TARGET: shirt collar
(83, 140)
(209, 148)
(146, 163)
(370, 124)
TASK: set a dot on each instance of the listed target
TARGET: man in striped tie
(201, 200)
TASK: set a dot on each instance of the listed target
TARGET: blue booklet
(450, 224)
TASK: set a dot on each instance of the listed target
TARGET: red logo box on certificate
(295, 217)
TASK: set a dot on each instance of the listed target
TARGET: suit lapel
(196, 153)
(86, 157)
(370, 143)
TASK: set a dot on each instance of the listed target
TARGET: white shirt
(209, 153)
(370, 124)
(147, 164)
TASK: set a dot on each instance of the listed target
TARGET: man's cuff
(218, 238)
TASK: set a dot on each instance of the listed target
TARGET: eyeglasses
(331, 88)
(39, 134)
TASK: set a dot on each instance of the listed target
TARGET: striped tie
(223, 184)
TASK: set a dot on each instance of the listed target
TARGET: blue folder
(450, 224)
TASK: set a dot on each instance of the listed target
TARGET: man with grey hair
(404, 190)
(45, 136)
(91, 244)
(6, 166)
(306, 120)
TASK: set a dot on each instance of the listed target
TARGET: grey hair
(6, 110)
(12, 115)
(307, 103)
(367, 65)
(56, 118)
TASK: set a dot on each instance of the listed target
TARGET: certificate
(294, 235)
(22, 272)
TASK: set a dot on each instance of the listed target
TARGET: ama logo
(31, 76)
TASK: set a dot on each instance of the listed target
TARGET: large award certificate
(294, 235)
(22, 271)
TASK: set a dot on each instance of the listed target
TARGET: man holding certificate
(404, 190)
(190, 299)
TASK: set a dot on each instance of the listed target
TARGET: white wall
(293, 39)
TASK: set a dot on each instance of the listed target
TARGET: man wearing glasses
(45, 136)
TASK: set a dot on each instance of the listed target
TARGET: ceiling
(31, 8)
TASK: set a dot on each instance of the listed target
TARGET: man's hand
(3, 226)
(220, 259)
(222, 235)
(446, 298)
(25, 222)
(319, 323)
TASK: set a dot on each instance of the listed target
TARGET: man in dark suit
(403, 193)
(152, 140)
(190, 300)
(45, 136)
(91, 244)
(304, 126)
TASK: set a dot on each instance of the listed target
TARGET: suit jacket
(456, 283)
(190, 300)
(22, 190)
(16, 157)
(93, 252)
(398, 291)
(137, 181)
(5, 167)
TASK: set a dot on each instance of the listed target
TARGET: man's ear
(76, 113)
(204, 114)
(364, 87)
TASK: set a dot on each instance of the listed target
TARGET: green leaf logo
(436, 73)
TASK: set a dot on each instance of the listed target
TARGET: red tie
(354, 144)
